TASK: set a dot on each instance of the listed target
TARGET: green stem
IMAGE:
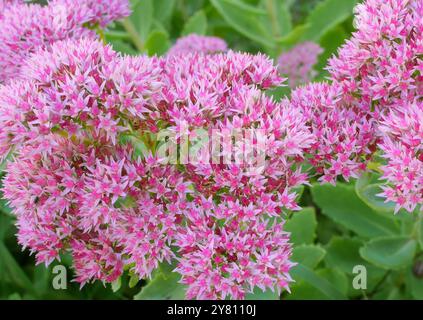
(135, 37)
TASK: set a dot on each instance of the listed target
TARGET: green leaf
(164, 286)
(302, 226)
(262, 295)
(343, 206)
(157, 43)
(420, 232)
(117, 35)
(304, 291)
(14, 296)
(291, 38)
(41, 279)
(142, 17)
(246, 19)
(368, 187)
(389, 252)
(196, 24)
(121, 46)
(326, 15)
(12, 270)
(304, 273)
(140, 148)
(133, 281)
(343, 253)
(414, 285)
(330, 43)
(308, 255)
(279, 15)
(116, 285)
(163, 9)
(367, 191)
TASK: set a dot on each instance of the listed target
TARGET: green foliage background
(339, 228)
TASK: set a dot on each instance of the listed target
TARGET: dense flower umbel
(297, 64)
(76, 89)
(70, 174)
(197, 43)
(344, 136)
(224, 93)
(228, 249)
(29, 27)
(381, 65)
(5, 4)
(95, 202)
(96, 12)
(380, 71)
(76, 185)
(402, 145)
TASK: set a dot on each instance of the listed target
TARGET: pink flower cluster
(90, 172)
(27, 28)
(380, 72)
(197, 43)
(297, 64)
(343, 136)
(402, 145)
(100, 12)
(77, 185)
(4, 4)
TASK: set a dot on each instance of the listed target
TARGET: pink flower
(343, 135)
(5, 4)
(227, 250)
(297, 64)
(101, 12)
(77, 89)
(380, 66)
(27, 28)
(380, 72)
(197, 43)
(402, 132)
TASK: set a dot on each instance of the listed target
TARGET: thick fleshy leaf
(414, 285)
(164, 286)
(196, 24)
(308, 255)
(343, 206)
(326, 15)
(390, 252)
(246, 19)
(157, 43)
(303, 290)
(142, 17)
(12, 271)
(307, 275)
(279, 16)
(343, 253)
(302, 226)
(163, 9)
(262, 295)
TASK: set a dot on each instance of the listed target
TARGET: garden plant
(211, 149)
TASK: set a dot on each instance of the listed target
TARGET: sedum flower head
(381, 64)
(343, 136)
(79, 183)
(197, 43)
(96, 12)
(27, 28)
(297, 64)
(402, 146)
(230, 249)
(380, 71)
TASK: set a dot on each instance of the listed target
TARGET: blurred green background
(339, 228)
